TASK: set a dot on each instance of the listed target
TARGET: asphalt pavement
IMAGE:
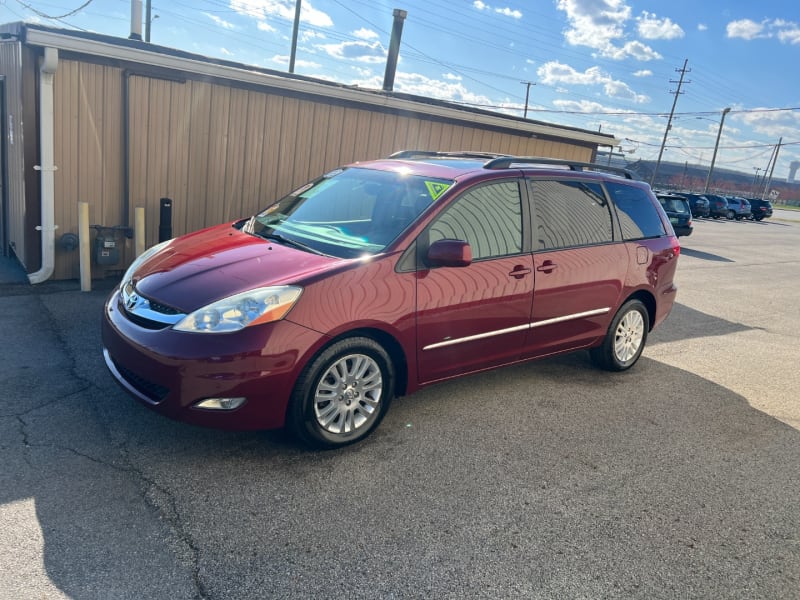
(677, 479)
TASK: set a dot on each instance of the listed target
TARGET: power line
(53, 17)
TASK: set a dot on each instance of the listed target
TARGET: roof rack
(458, 154)
(505, 162)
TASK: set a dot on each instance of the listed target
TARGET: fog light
(220, 403)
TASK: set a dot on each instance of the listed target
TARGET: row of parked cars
(680, 208)
(728, 207)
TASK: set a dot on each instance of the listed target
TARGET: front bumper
(172, 371)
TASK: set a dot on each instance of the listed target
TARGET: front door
(476, 317)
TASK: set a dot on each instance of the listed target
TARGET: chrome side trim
(488, 334)
(588, 313)
(479, 336)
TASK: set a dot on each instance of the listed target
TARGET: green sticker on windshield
(436, 189)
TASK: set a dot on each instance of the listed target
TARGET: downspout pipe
(48, 65)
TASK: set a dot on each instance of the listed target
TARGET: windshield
(348, 212)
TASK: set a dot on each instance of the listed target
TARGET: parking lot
(677, 479)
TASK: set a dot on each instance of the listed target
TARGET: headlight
(140, 259)
(262, 305)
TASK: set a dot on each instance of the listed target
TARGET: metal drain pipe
(47, 69)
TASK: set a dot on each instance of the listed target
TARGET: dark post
(294, 35)
(394, 49)
(165, 220)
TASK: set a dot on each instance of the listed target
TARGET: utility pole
(768, 182)
(716, 146)
(677, 93)
(294, 35)
(755, 180)
(528, 85)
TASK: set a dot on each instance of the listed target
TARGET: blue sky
(594, 64)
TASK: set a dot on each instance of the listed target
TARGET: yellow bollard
(83, 247)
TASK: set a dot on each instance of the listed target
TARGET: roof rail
(505, 162)
(435, 154)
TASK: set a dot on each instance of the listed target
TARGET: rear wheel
(730, 215)
(625, 338)
(342, 394)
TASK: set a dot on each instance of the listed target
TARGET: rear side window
(570, 214)
(637, 214)
(489, 217)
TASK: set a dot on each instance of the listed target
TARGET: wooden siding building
(120, 124)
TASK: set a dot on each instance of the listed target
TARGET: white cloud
(643, 73)
(284, 9)
(307, 35)
(702, 27)
(600, 24)
(746, 29)
(360, 51)
(554, 73)
(221, 22)
(365, 34)
(507, 12)
(226, 52)
(451, 77)
(650, 27)
(283, 60)
(787, 32)
(634, 49)
(264, 26)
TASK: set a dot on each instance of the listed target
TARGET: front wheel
(625, 338)
(343, 394)
(730, 215)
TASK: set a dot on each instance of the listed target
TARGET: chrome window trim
(488, 334)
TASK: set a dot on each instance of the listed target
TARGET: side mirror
(449, 253)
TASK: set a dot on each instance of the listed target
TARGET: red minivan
(385, 276)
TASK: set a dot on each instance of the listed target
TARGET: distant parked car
(717, 206)
(760, 209)
(738, 208)
(678, 211)
(699, 204)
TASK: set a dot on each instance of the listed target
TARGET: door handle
(547, 267)
(519, 272)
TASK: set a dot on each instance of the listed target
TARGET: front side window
(637, 214)
(488, 217)
(570, 214)
(348, 213)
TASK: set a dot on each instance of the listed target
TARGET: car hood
(197, 269)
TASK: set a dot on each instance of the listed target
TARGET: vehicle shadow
(548, 479)
(703, 255)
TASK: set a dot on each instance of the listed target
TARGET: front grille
(153, 391)
(142, 322)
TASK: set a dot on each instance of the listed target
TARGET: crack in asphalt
(150, 490)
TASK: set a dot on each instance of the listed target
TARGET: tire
(343, 394)
(739, 217)
(625, 338)
(730, 215)
(758, 218)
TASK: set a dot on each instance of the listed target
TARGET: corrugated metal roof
(137, 51)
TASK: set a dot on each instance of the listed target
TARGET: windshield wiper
(290, 242)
